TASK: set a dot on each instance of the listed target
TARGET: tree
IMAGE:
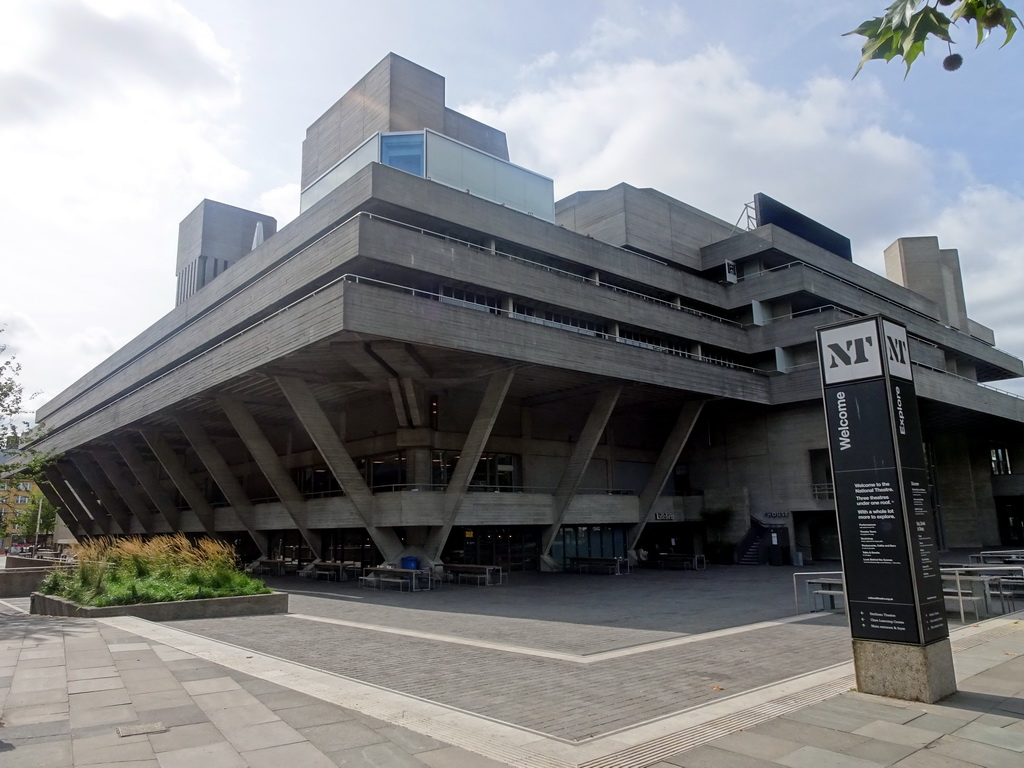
(24, 523)
(908, 24)
(11, 394)
(18, 461)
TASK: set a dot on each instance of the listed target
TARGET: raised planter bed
(209, 608)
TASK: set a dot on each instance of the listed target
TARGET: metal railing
(958, 575)
(823, 491)
(562, 272)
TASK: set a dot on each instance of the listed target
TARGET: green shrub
(157, 570)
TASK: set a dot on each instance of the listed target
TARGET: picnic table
(828, 588)
(614, 566)
(413, 579)
(482, 575)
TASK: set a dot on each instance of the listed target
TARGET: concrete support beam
(102, 523)
(326, 440)
(479, 432)
(182, 478)
(402, 415)
(582, 453)
(100, 485)
(667, 459)
(125, 489)
(224, 478)
(416, 402)
(270, 464)
(65, 510)
(148, 479)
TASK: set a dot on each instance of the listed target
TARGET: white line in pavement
(13, 607)
(515, 745)
(573, 658)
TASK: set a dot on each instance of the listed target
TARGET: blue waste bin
(411, 563)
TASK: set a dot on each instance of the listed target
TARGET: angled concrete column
(402, 414)
(148, 479)
(667, 459)
(270, 464)
(179, 474)
(582, 453)
(65, 510)
(316, 423)
(479, 432)
(102, 522)
(416, 402)
(111, 502)
(224, 478)
(125, 488)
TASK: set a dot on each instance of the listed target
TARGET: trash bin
(411, 563)
(798, 558)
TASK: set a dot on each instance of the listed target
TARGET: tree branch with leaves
(16, 431)
(909, 24)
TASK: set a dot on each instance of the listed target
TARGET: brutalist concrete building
(437, 359)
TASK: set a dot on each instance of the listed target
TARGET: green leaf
(910, 55)
(900, 13)
(868, 28)
(884, 46)
(1010, 29)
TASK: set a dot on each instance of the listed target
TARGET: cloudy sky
(118, 116)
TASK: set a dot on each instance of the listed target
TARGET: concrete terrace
(656, 668)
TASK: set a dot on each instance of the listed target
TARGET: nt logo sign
(853, 352)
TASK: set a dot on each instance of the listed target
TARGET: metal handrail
(955, 571)
(555, 270)
(799, 574)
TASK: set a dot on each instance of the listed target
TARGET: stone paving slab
(544, 695)
(982, 725)
(223, 724)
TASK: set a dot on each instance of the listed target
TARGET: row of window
(387, 472)
(588, 327)
(20, 486)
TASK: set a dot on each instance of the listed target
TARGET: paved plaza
(678, 668)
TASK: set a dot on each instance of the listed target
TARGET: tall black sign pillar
(886, 524)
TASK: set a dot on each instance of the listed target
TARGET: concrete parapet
(21, 581)
(908, 672)
(25, 561)
(211, 608)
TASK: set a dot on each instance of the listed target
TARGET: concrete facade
(409, 369)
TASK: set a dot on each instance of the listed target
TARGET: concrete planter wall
(22, 581)
(211, 608)
(25, 561)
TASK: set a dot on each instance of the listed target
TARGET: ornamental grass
(124, 571)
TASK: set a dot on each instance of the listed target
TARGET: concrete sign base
(909, 672)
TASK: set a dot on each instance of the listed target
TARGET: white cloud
(543, 63)
(625, 26)
(281, 202)
(983, 224)
(78, 51)
(704, 130)
(128, 131)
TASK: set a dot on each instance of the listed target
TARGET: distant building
(16, 498)
(437, 359)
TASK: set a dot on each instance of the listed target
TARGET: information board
(886, 523)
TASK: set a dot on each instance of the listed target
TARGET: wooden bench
(400, 583)
(831, 594)
(685, 562)
(613, 566)
(964, 597)
(368, 581)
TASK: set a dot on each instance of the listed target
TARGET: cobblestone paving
(543, 610)
(561, 699)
